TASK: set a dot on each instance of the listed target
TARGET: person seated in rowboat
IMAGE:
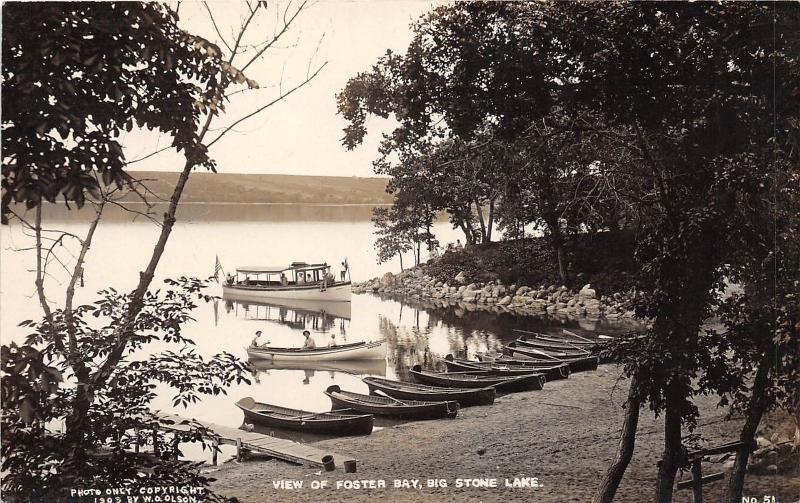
(332, 342)
(301, 278)
(309, 344)
(255, 343)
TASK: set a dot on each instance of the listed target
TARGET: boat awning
(311, 267)
(262, 269)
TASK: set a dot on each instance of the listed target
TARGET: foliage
(605, 260)
(391, 242)
(127, 64)
(403, 228)
(668, 119)
(39, 389)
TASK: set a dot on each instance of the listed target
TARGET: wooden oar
(543, 354)
(381, 393)
(524, 331)
(584, 338)
(312, 414)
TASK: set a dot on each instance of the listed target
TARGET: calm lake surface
(261, 235)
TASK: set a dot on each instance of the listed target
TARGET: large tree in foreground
(75, 76)
(707, 92)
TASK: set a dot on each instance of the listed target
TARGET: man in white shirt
(309, 344)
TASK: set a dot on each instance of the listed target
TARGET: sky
(300, 135)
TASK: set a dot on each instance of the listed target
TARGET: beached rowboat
(467, 380)
(523, 360)
(385, 406)
(552, 372)
(577, 361)
(355, 351)
(414, 391)
(534, 342)
(301, 420)
(589, 344)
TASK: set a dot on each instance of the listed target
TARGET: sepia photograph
(347, 251)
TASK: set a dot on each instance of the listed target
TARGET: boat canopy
(261, 269)
(265, 269)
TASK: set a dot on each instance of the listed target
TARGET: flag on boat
(217, 269)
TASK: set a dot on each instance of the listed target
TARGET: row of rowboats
(527, 364)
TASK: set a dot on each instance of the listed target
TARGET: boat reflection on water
(313, 315)
(355, 367)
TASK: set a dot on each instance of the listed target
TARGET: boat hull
(550, 346)
(412, 409)
(553, 372)
(305, 421)
(412, 391)
(529, 382)
(576, 363)
(358, 351)
(338, 292)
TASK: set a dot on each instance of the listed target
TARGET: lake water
(265, 235)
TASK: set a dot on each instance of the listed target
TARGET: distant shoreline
(231, 203)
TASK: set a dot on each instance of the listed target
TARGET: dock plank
(280, 448)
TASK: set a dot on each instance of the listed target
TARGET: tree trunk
(561, 256)
(84, 393)
(481, 220)
(468, 236)
(400, 254)
(490, 222)
(755, 410)
(557, 242)
(608, 486)
(673, 456)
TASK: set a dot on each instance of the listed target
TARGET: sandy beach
(564, 436)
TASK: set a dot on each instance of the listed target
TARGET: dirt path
(564, 435)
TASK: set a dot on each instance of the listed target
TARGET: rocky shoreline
(544, 300)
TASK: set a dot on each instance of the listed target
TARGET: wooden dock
(279, 448)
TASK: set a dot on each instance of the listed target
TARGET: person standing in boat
(309, 344)
(332, 342)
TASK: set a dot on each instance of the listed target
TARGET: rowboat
(581, 343)
(386, 406)
(570, 339)
(577, 362)
(561, 354)
(522, 360)
(301, 420)
(534, 342)
(413, 391)
(299, 281)
(551, 372)
(354, 351)
(468, 380)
